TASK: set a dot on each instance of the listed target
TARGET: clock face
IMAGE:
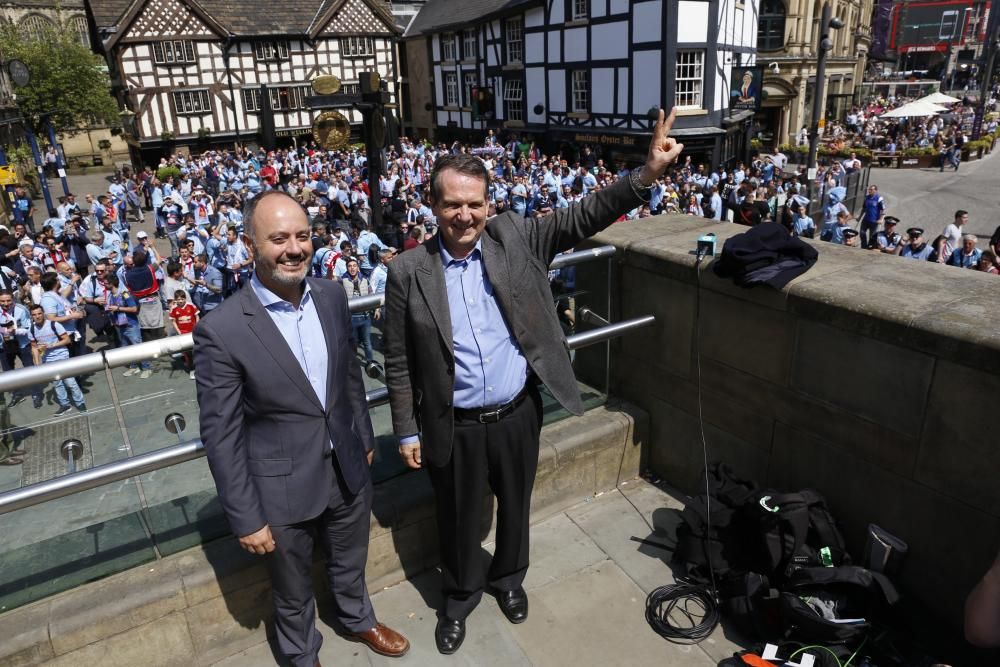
(18, 72)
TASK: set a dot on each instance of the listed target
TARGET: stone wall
(870, 378)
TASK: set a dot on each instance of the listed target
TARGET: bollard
(374, 370)
(175, 423)
(72, 449)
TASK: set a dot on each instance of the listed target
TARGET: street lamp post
(990, 46)
(825, 45)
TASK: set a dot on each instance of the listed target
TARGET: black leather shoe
(514, 604)
(449, 634)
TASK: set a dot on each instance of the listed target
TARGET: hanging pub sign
(746, 87)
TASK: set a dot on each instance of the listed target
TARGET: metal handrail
(154, 349)
(166, 457)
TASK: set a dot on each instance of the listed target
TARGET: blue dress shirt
(302, 331)
(490, 368)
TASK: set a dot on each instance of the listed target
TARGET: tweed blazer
(516, 252)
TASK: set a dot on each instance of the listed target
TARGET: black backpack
(714, 528)
(795, 530)
(845, 592)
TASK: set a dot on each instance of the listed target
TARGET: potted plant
(167, 138)
(915, 157)
(204, 137)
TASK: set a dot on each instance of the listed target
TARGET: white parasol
(914, 109)
(939, 98)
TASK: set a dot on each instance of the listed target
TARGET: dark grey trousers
(342, 532)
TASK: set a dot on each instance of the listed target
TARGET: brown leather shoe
(383, 640)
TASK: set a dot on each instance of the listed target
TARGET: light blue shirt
(302, 331)
(380, 277)
(802, 224)
(489, 366)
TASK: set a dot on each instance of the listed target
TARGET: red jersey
(269, 174)
(184, 317)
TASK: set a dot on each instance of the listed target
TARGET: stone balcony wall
(870, 378)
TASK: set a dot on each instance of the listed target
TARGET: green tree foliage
(68, 80)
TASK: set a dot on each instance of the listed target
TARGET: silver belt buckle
(491, 417)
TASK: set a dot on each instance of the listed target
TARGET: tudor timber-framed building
(575, 72)
(191, 72)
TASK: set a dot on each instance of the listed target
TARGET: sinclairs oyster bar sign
(608, 139)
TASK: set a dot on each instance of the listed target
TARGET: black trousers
(342, 532)
(501, 458)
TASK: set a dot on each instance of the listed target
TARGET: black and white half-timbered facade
(192, 72)
(587, 71)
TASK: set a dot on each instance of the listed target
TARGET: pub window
(581, 9)
(450, 89)
(272, 50)
(288, 98)
(469, 44)
(192, 102)
(173, 52)
(688, 79)
(448, 46)
(470, 81)
(581, 91)
(350, 88)
(771, 26)
(283, 98)
(515, 41)
(513, 99)
(251, 99)
(356, 46)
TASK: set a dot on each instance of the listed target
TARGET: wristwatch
(643, 192)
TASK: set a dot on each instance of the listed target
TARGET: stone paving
(928, 198)
(587, 587)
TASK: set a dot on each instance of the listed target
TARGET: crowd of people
(864, 126)
(87, 270)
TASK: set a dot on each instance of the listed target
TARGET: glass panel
(67, 542)
(183, 509)
(575, 288)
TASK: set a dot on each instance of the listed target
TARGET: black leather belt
(491, 414)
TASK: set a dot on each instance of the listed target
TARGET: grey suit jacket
(420, 363)
(265, 431)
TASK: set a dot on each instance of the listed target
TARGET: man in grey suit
(471, 331)
(287, 431)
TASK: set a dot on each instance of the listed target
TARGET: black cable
(694, 603)
(697, 604)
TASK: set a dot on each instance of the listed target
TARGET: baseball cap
(142, 235)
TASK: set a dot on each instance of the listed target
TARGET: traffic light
(483, 103)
